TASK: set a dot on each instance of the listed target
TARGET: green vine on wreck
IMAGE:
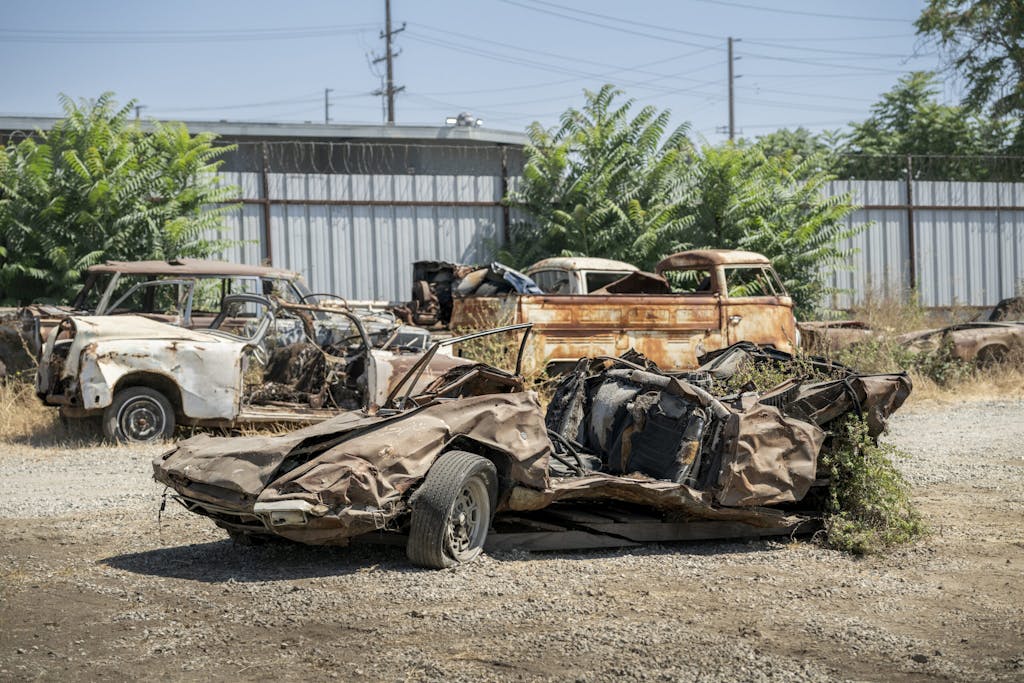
(869, 507)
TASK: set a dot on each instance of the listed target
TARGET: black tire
(452, 511)
(138, 415)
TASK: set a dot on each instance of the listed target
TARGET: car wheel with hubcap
(452, 511)
(138, 415)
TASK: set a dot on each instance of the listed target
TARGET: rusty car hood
(357, 458)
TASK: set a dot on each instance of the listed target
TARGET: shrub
(97, 187)
(869, 506)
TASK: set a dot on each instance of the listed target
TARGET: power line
(251, 105)
(605, 26)
(175, 36)
(845, 74)
(816, 95)
(857, 53)
(606, 75)
(623, 20)
(638, 69)
(803, 39)
(544, 66)
(808, 62)
(801, 13)
(792, 105)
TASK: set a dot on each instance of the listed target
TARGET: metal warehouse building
(351, 207)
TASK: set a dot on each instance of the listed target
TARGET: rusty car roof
(191, 266)
(580, 263)
(704, 258)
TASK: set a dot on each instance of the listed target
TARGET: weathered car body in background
(617, 431)
(983, 343)
(142, 376)
(828, 336)
(185, 291)
(997, 340)
(708, 300)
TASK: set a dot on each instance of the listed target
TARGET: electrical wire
(605, 65)
(850, 17)
(623, 20)
(857, 53)
(176, 36)
(808, 62)
(605, 26)
(518, 61)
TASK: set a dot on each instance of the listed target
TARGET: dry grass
(24, 420)
(500, 351)
(999, 382)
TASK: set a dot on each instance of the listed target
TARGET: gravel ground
(93, 584)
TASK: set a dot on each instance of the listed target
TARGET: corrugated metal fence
(962, 243)
(356, 229)
(352, 217)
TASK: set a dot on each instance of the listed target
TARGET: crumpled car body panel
(363, 466)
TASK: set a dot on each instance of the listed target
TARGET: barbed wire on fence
(1001, 168)
(378, 157)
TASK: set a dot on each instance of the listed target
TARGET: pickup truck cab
(577, 275)
(696, 302)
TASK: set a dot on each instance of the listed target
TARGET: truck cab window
(552, 281)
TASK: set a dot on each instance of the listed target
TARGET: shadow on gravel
(281, 560)
(227, 561)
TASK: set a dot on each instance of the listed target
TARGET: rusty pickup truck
(696, 302)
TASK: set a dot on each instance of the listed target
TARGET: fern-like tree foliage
(604, 183)
(609, 184)
(96, 187)
(775, 205)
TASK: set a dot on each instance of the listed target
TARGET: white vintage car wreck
(141, 377)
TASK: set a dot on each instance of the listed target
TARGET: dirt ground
(97, 585)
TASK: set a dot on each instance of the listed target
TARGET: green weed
(869, 507)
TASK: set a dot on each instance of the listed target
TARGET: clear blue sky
(817, 64)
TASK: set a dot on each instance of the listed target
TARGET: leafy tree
(601, 184)
(800, 143)
(97, 187)
(984, 41)
(742, 199)
(908, 120)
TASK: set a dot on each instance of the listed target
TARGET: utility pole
(327, 105)
(389, 90)
(732, 111)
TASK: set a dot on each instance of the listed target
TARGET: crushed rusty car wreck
(625, 454)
